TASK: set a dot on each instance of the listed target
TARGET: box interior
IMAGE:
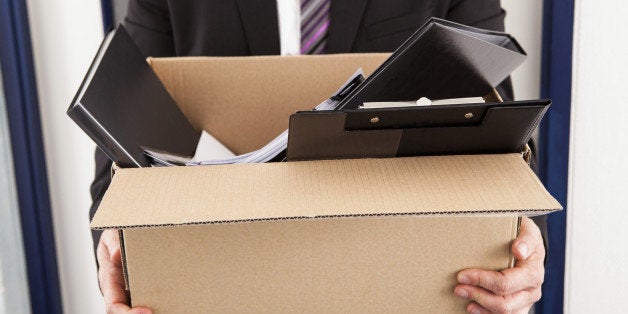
(245, 101)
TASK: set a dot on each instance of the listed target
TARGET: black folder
(480, 128)
(441, 60)
(123, 106)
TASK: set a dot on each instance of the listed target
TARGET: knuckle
(536, 295)
(537, 276)
(504, 308)
(503, 286)
(485, 280)
(537, 281)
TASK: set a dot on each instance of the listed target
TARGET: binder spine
(103, 139)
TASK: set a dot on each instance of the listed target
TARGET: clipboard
(482, 128)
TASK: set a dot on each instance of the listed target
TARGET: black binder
(413, 131)
(441, 60)
(123, 106)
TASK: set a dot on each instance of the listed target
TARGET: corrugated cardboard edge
(150, 193)
(470, 213)
(515, 233)
(125, 273)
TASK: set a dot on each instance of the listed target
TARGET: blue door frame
(28, 156)
(558, 21)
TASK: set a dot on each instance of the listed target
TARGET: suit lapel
(345, 21)
(260, 22)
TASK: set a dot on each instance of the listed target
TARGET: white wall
(524, 20)
(65, 36)
(596, 276)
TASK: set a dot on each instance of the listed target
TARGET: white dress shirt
(289, 16)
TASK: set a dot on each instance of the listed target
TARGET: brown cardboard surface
(390, 235)
(245, 101)
(436, 185)
(391, 264)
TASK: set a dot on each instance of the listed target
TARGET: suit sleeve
(148, 22)
(488, 14)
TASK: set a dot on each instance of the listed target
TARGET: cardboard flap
(499, 184)
(245, 102)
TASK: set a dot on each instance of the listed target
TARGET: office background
(46, 162)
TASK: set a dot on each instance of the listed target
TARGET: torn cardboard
(315, 236)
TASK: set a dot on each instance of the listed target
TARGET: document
(423, 101)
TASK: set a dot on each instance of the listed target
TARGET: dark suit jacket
(249, 27)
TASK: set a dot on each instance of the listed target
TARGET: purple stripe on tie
(306, 30)
(319, 33)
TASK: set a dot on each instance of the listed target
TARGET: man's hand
(512, 290)
(110, 275)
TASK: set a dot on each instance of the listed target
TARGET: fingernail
(523, 249)
(464, 279)
(461, 293)
(475, 311)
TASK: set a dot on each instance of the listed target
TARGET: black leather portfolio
(504, 127)
(441, 60)
(122, 105)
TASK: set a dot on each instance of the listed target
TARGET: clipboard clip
(527, 154)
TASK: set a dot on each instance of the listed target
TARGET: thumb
(111, 240)
(528, 239)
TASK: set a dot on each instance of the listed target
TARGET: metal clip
(114, 167)
(527, 154)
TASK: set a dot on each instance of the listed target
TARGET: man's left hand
(512, 290)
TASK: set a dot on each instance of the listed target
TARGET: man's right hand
(110, 275)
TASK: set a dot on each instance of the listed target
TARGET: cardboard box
(360, 235)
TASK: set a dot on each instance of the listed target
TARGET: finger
(110, 274)
(491, 302)
(506, 282)
(118, 308)
(475, 308)
(529, 241)
(123, 308)
(111, 240)
(112, 285)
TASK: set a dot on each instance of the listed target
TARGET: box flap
(500, 184)
(228, 96)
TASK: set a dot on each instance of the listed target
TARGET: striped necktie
(314, 25)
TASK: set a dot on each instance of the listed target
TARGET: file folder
(122, 105)
(442, 59)
(484, 128)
